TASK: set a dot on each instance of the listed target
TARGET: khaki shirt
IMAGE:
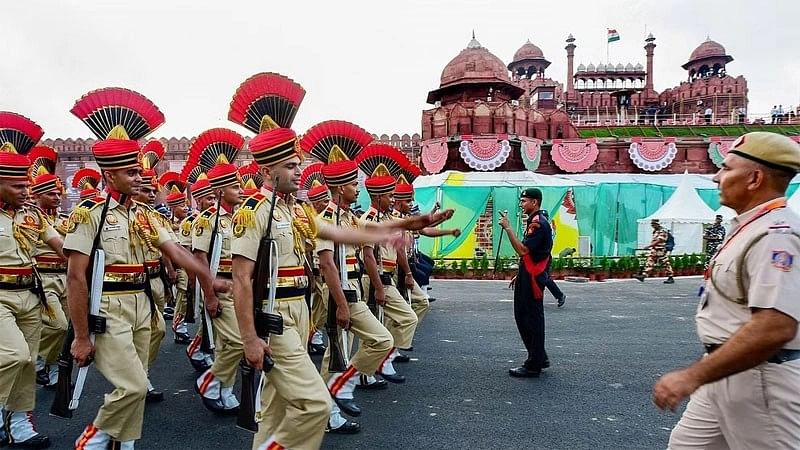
(250, 225)
(185, 230)
(20, 233)
(59, 222)
(126, 233)
(346, 220)
(388, 253)
(203, 230)
(768, 274)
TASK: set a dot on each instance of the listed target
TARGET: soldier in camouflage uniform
(658, 254)
(713, 235)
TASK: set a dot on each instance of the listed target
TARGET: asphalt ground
(607, 347)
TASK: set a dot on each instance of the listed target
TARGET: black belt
(783, 355)
(289, 292)
(315, 271)
(15, 286)
(121, 286)
(226, 275)
(386, 278)
(58, 271)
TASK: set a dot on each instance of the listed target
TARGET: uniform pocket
(117, 245)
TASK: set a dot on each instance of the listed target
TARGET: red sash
(535, 269)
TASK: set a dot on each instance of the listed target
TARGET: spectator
(774, 114)
(708, 114)
(742, 114)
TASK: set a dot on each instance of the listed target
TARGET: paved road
(607, 347)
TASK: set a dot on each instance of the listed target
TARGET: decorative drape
(718, 148)
(434, 154)
(485, 152)
(531, 151)
(574, 155)
(652, 154)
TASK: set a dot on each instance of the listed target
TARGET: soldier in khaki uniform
(401, 321)
(216, 384)
(21, 228)
(176, 201)
(205, 198)
(46, 190)
(403, 197)
(146, 195)
(126, 231)
(745, 393)
(318, 195)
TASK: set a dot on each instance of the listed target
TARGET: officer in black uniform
(534, 252)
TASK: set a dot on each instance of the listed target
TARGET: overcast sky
(369, 62)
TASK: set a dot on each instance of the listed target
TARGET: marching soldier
(252, 179)
(317, 192)
(21, 302)
(400, 319)
(124, 229)
(46, 190)
(745, 393)
(658, 254)
(176, 202)
(403, 198)
(218, 146)
(204, 196)
(152, 152)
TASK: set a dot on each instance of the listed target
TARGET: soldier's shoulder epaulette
(371, 215)
(327, 214)
(83, 210)
(204, 218)
(254, 201)
(144, 206)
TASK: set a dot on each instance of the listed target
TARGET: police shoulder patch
(782, 260)
(254, 201)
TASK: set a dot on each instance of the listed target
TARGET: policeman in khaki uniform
(126, 232)
(21, 228)
(745, 393)
(176, 202)
(46, 190)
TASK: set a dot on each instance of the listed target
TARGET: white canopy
(684, 214)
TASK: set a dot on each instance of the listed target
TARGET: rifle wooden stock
(190, 317)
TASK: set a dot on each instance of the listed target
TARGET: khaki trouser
(755, 409)
(181, 284)
(295, 402)
(158, 328)
(375, 341)
(20, 329)
(319, 306)
(55, 320)
(400, 319)
(121, 357)
(228, 349)
(419, 301)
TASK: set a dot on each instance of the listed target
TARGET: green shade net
(425, 198)
(505, 199)
(469, 204)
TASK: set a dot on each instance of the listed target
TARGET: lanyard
(766, 209)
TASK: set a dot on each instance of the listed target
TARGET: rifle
(190, 312)
(213, 256)
(265, 320)
(339, 354)
(372, 303)
(65, 400)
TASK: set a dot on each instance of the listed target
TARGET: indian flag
(612, 35)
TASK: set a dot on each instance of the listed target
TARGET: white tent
(684, 214)
(522, 179)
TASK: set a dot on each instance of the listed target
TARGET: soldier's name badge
(283, 225)
(111, 227)
(2, 230)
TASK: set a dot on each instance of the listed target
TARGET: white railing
(610, 118)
